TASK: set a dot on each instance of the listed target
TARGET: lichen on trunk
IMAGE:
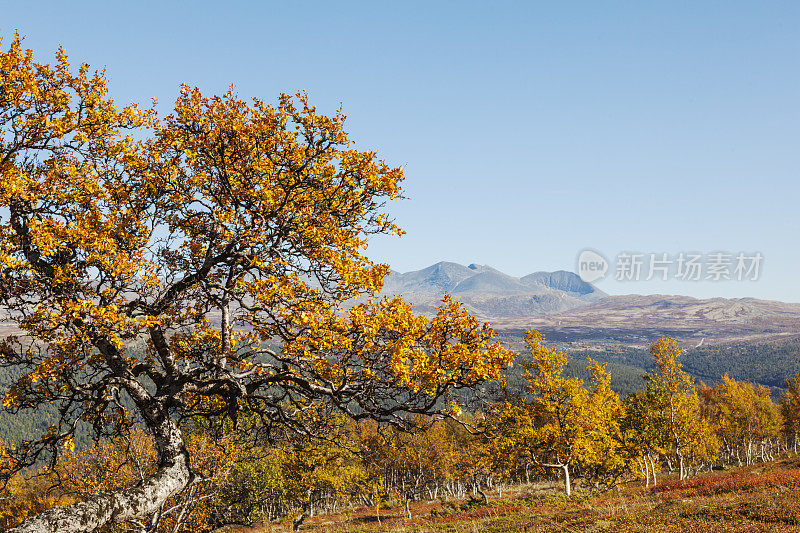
(137, 502)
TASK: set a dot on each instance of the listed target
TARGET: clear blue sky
(528, 130)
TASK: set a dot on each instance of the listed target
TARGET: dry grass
(764, 498)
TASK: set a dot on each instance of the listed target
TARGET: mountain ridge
(489, 293)
(565, 307)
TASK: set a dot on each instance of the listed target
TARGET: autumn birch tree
(562, 424)
(225, 239)
(687, 434)
(645, 431)
(744, 418)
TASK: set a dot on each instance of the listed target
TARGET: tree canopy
(561, 424)
(202, 264)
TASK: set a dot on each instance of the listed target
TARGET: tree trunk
(653, 469)
(567, 485)
(172, 476)
(646, 470)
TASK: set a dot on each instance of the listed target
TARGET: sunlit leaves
(562, 423)
(686, 432)
(205, 263)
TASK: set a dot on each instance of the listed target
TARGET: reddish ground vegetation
(739, 481)
(758, 499)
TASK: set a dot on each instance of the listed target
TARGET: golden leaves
(665, 352)
(258, 212)
(563, 423)
(400, 347)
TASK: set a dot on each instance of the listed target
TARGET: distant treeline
(765, 363)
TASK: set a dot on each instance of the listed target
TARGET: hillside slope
(636, 318)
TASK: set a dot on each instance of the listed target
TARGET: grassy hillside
(763, 498)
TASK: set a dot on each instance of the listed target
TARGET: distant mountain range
(489, 293)
(565, 307)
